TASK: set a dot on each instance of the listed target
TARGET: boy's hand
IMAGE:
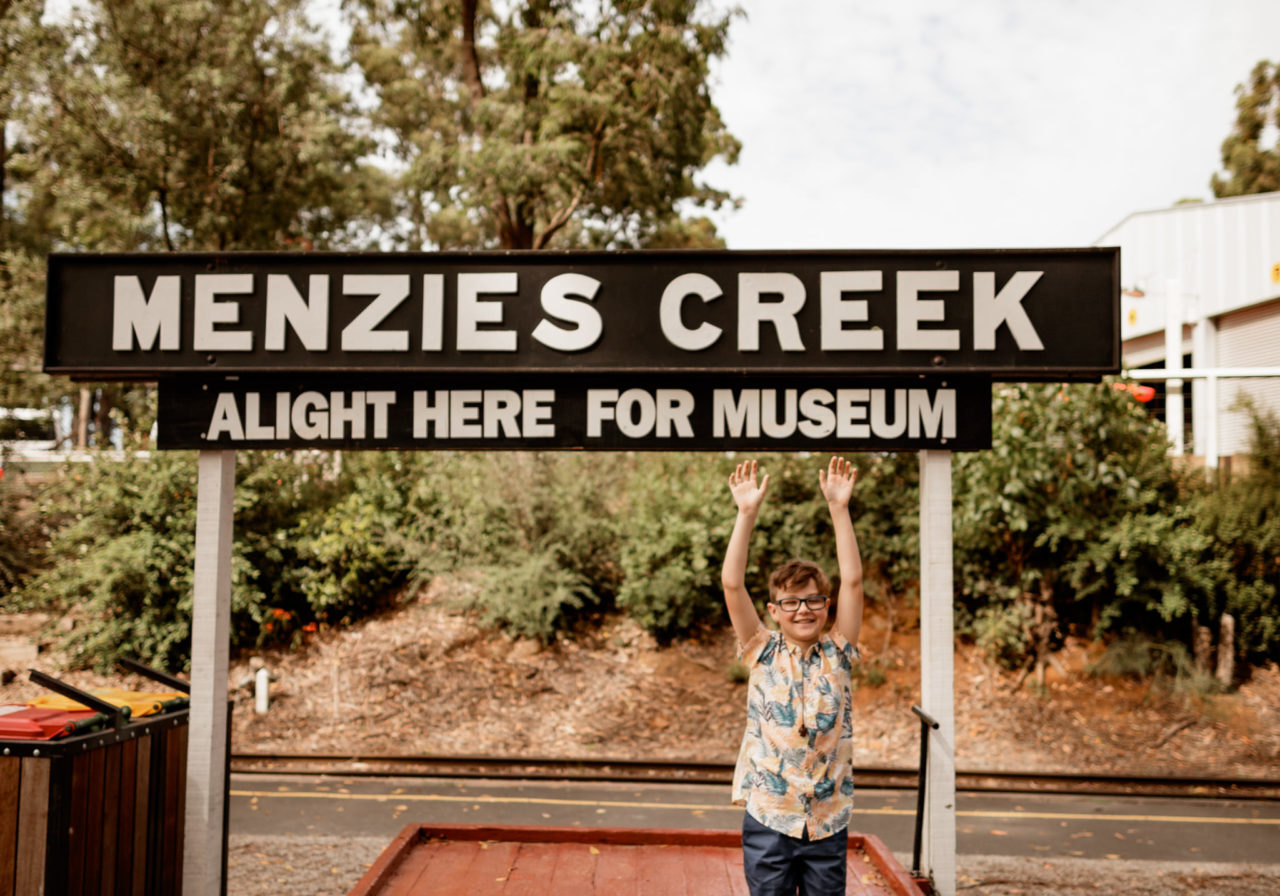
(837, 481)
(747, 494)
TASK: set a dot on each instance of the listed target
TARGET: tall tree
(198, 124)
(1251, 154)
(24, 238)
(539, 123)
(177, 125)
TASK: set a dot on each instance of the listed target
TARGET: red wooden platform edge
(414, 834)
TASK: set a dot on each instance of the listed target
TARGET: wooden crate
(98, 813)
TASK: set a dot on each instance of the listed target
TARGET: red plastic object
(469, 860)
(28, 723)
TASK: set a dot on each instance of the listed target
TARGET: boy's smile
(802, 626)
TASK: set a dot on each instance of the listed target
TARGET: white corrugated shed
(1223, 260)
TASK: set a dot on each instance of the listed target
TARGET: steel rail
(686, 772)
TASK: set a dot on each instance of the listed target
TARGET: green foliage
(122, 560)
(677, 526)
(1242, 522)
(350, 562)
(1074, 519)
(123, 552)
(1075, 507)
(870, 674)
(545, 122)
(1252, 165)
(538, 532)
(680, 517)
(192, 125)
(1165, 661)
(1003, 630)
(21, 536)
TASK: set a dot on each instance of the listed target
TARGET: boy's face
(802, 626)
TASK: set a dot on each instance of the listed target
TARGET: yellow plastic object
(140, 703)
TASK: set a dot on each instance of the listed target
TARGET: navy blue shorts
(778, 865)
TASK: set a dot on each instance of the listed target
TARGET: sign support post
(937, 652)
(202, 862)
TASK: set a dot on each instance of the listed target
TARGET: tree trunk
(82, 418)
(1202, 648)
(1045, 626)
(102, 419)
(1226, 672)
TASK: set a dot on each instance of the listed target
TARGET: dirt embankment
(427, 679)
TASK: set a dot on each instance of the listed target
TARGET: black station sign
(1012, 315)
(610, 411)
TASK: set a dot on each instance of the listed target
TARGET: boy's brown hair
(793, 574)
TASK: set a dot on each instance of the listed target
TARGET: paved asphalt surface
(1141, 828)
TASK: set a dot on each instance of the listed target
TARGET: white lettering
(674, 408)
(253, 426)
(310, 416)
(380, 401)
(361, 334)
(738, 417)
(226, 419)
(425, 413)
(769, 413)
(600, 405)
(432, 312)
(636, 413)
(912, 310)
(753, 311)
(880, 424)
(501, 414)
(341, 415)
(472, 312)
(991, 309)
(308, 317)
(282, 415)
(928, 417)
(538, 405)
(851, 407)
(209, 312)
(819, 421)
(464, 414)
(558, 300)
(836, 310)
(669, 312)
(158, 318)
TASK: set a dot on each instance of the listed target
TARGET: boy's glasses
(813, 602)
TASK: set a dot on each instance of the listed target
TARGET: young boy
(795, 767)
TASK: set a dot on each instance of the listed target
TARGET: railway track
(679, 772)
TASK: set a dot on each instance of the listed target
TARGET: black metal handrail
(926, 722)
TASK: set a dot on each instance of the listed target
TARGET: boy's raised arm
(836, 483)
(748, 495)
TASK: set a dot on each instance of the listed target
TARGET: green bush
(122, 553)
(1242, 522)
(1075, 508)
(677, 522)
(22, 536)
(1164, 661)
(537, 531)
(121, 559)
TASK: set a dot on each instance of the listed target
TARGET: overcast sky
(976, 123)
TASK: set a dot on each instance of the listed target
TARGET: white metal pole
(1211, 422)
(1173, 413)
(937, 653)
(210, 631)
(1204, 336)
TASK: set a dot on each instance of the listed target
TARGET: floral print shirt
(795, 768)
